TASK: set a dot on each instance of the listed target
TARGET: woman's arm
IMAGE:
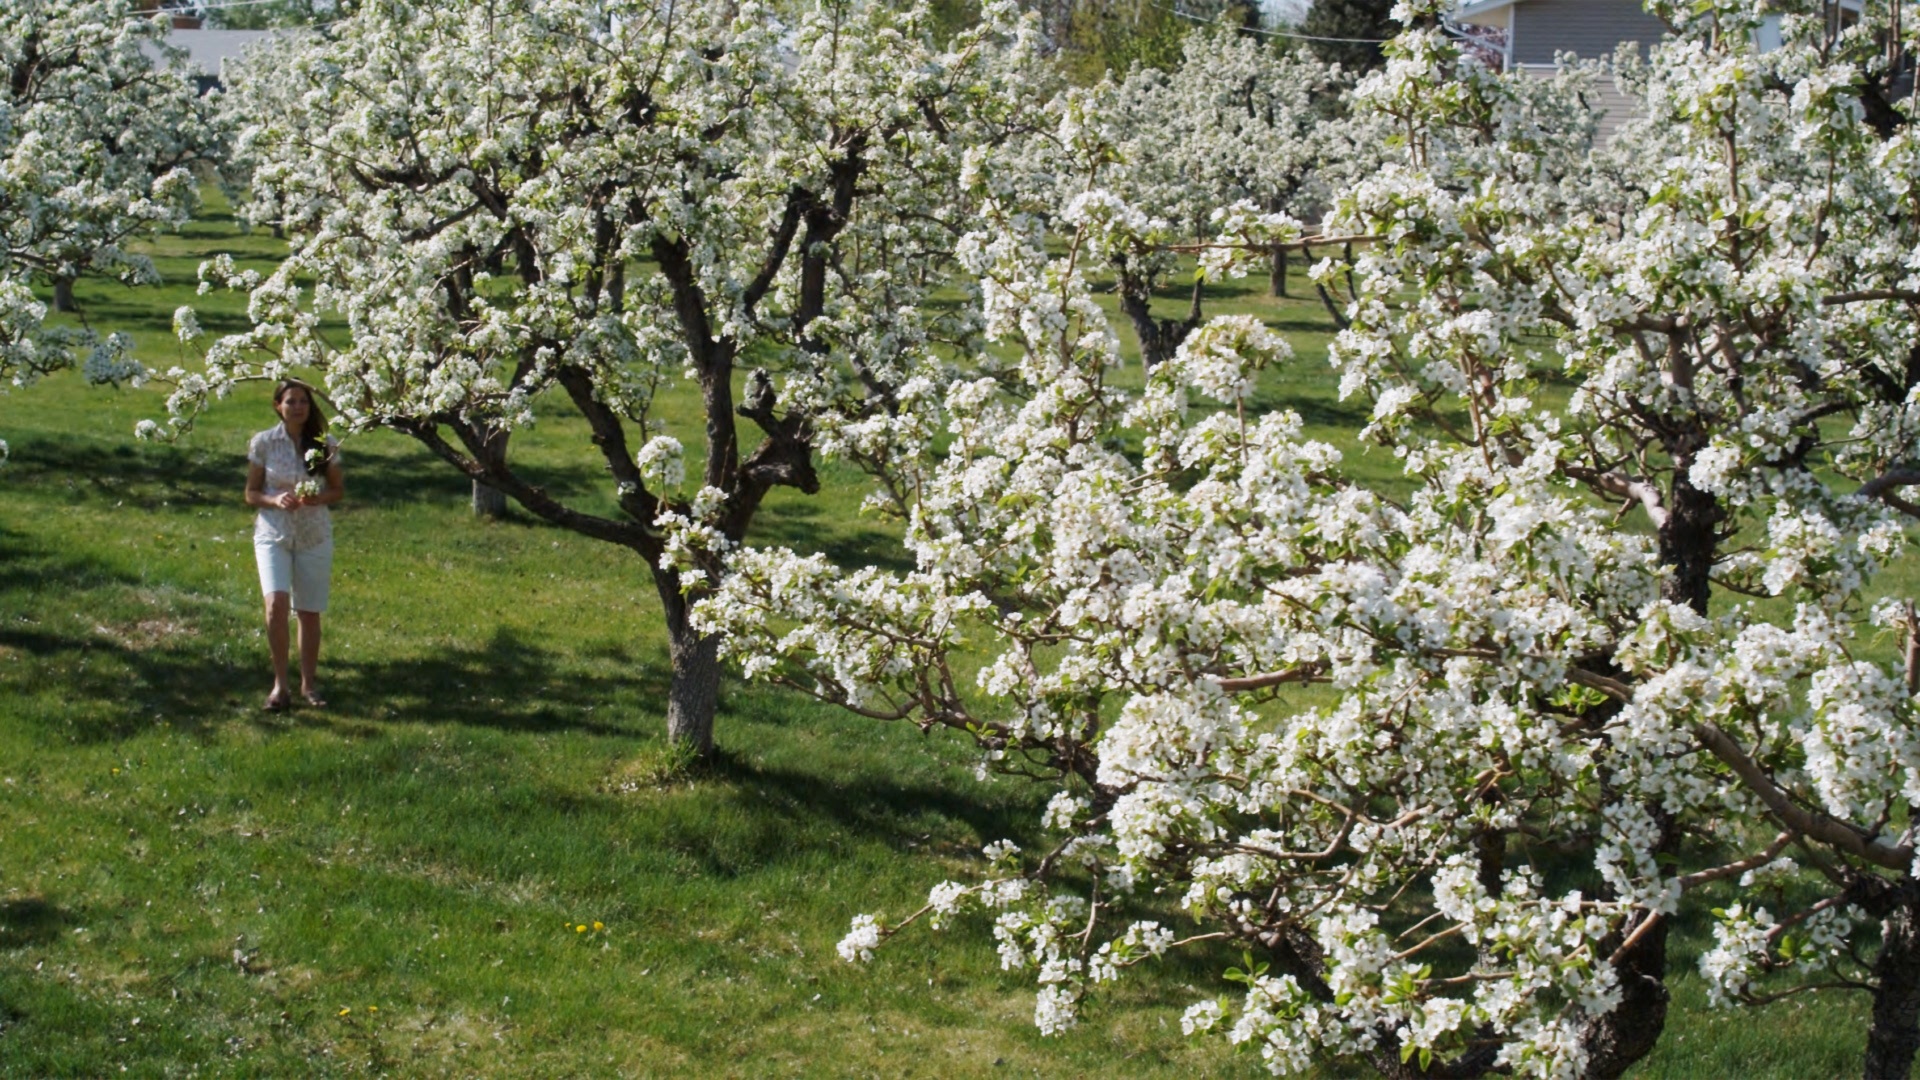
(257, 496)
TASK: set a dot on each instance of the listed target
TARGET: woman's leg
(312, 570)
(276, 573)
(309, 653)
(277, 607)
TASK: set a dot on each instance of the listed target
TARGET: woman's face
(293, 406)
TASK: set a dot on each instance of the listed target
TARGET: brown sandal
(278, 703)
(314, 699)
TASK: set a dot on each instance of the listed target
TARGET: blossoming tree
(1234, 122)
(595, 198)
(98, 140)
(1447, 759)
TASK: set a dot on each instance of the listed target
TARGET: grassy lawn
(474, 863)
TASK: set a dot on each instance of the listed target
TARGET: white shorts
(301, 573)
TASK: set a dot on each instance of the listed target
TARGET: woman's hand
(287, 500)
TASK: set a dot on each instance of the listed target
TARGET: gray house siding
(1614, 107)
(1587, 28)
(209, 50)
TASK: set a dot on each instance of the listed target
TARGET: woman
(293, 475)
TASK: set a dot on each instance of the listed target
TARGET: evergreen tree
(1364, 24)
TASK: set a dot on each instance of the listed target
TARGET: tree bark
(63, 295)
(488, 501)
(695, 691)
(1159, 338)
(1618, 1040)
(1893, 1035)
(1689, 540)
(1277, 273)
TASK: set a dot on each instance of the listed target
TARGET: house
(1531, 33)
(210, 51)
(1528, 35)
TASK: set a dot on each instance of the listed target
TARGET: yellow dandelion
(373, 1008)
(344, 1012)
(581, 929)
(599, 926)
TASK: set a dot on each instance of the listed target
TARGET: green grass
(492, 774)
(189, 886)
(489, 776)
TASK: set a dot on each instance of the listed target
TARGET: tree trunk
(695, 691)
(1159, 338)
(63, 295)
(1277, 273)
(1618, 1040)
(1689, 540)
(490, 502)
(1894, 1032)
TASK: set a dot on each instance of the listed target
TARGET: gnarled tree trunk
(1893, 1035)
(1689, 539)
(1618, 1040)
(1277, 273)
(63, 295)
(1159, 338)
(693, 694)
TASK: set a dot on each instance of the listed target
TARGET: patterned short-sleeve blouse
(308, 527)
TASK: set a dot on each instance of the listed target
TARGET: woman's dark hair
(313, 434)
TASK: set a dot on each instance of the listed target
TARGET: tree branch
(1627, 487)
(1301, 673)
(1827, 830)
(1751, 862)
(626, 534)
(1909, 295)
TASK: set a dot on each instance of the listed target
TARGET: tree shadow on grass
(113, 681)
(1316, 406)
(508, 683)
(804, 527)
(31, 921)
(1299, 324)
(110, 690)
(839, 777)
(93, 469)
(394, 471)
(774, 815)
(147, 477)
